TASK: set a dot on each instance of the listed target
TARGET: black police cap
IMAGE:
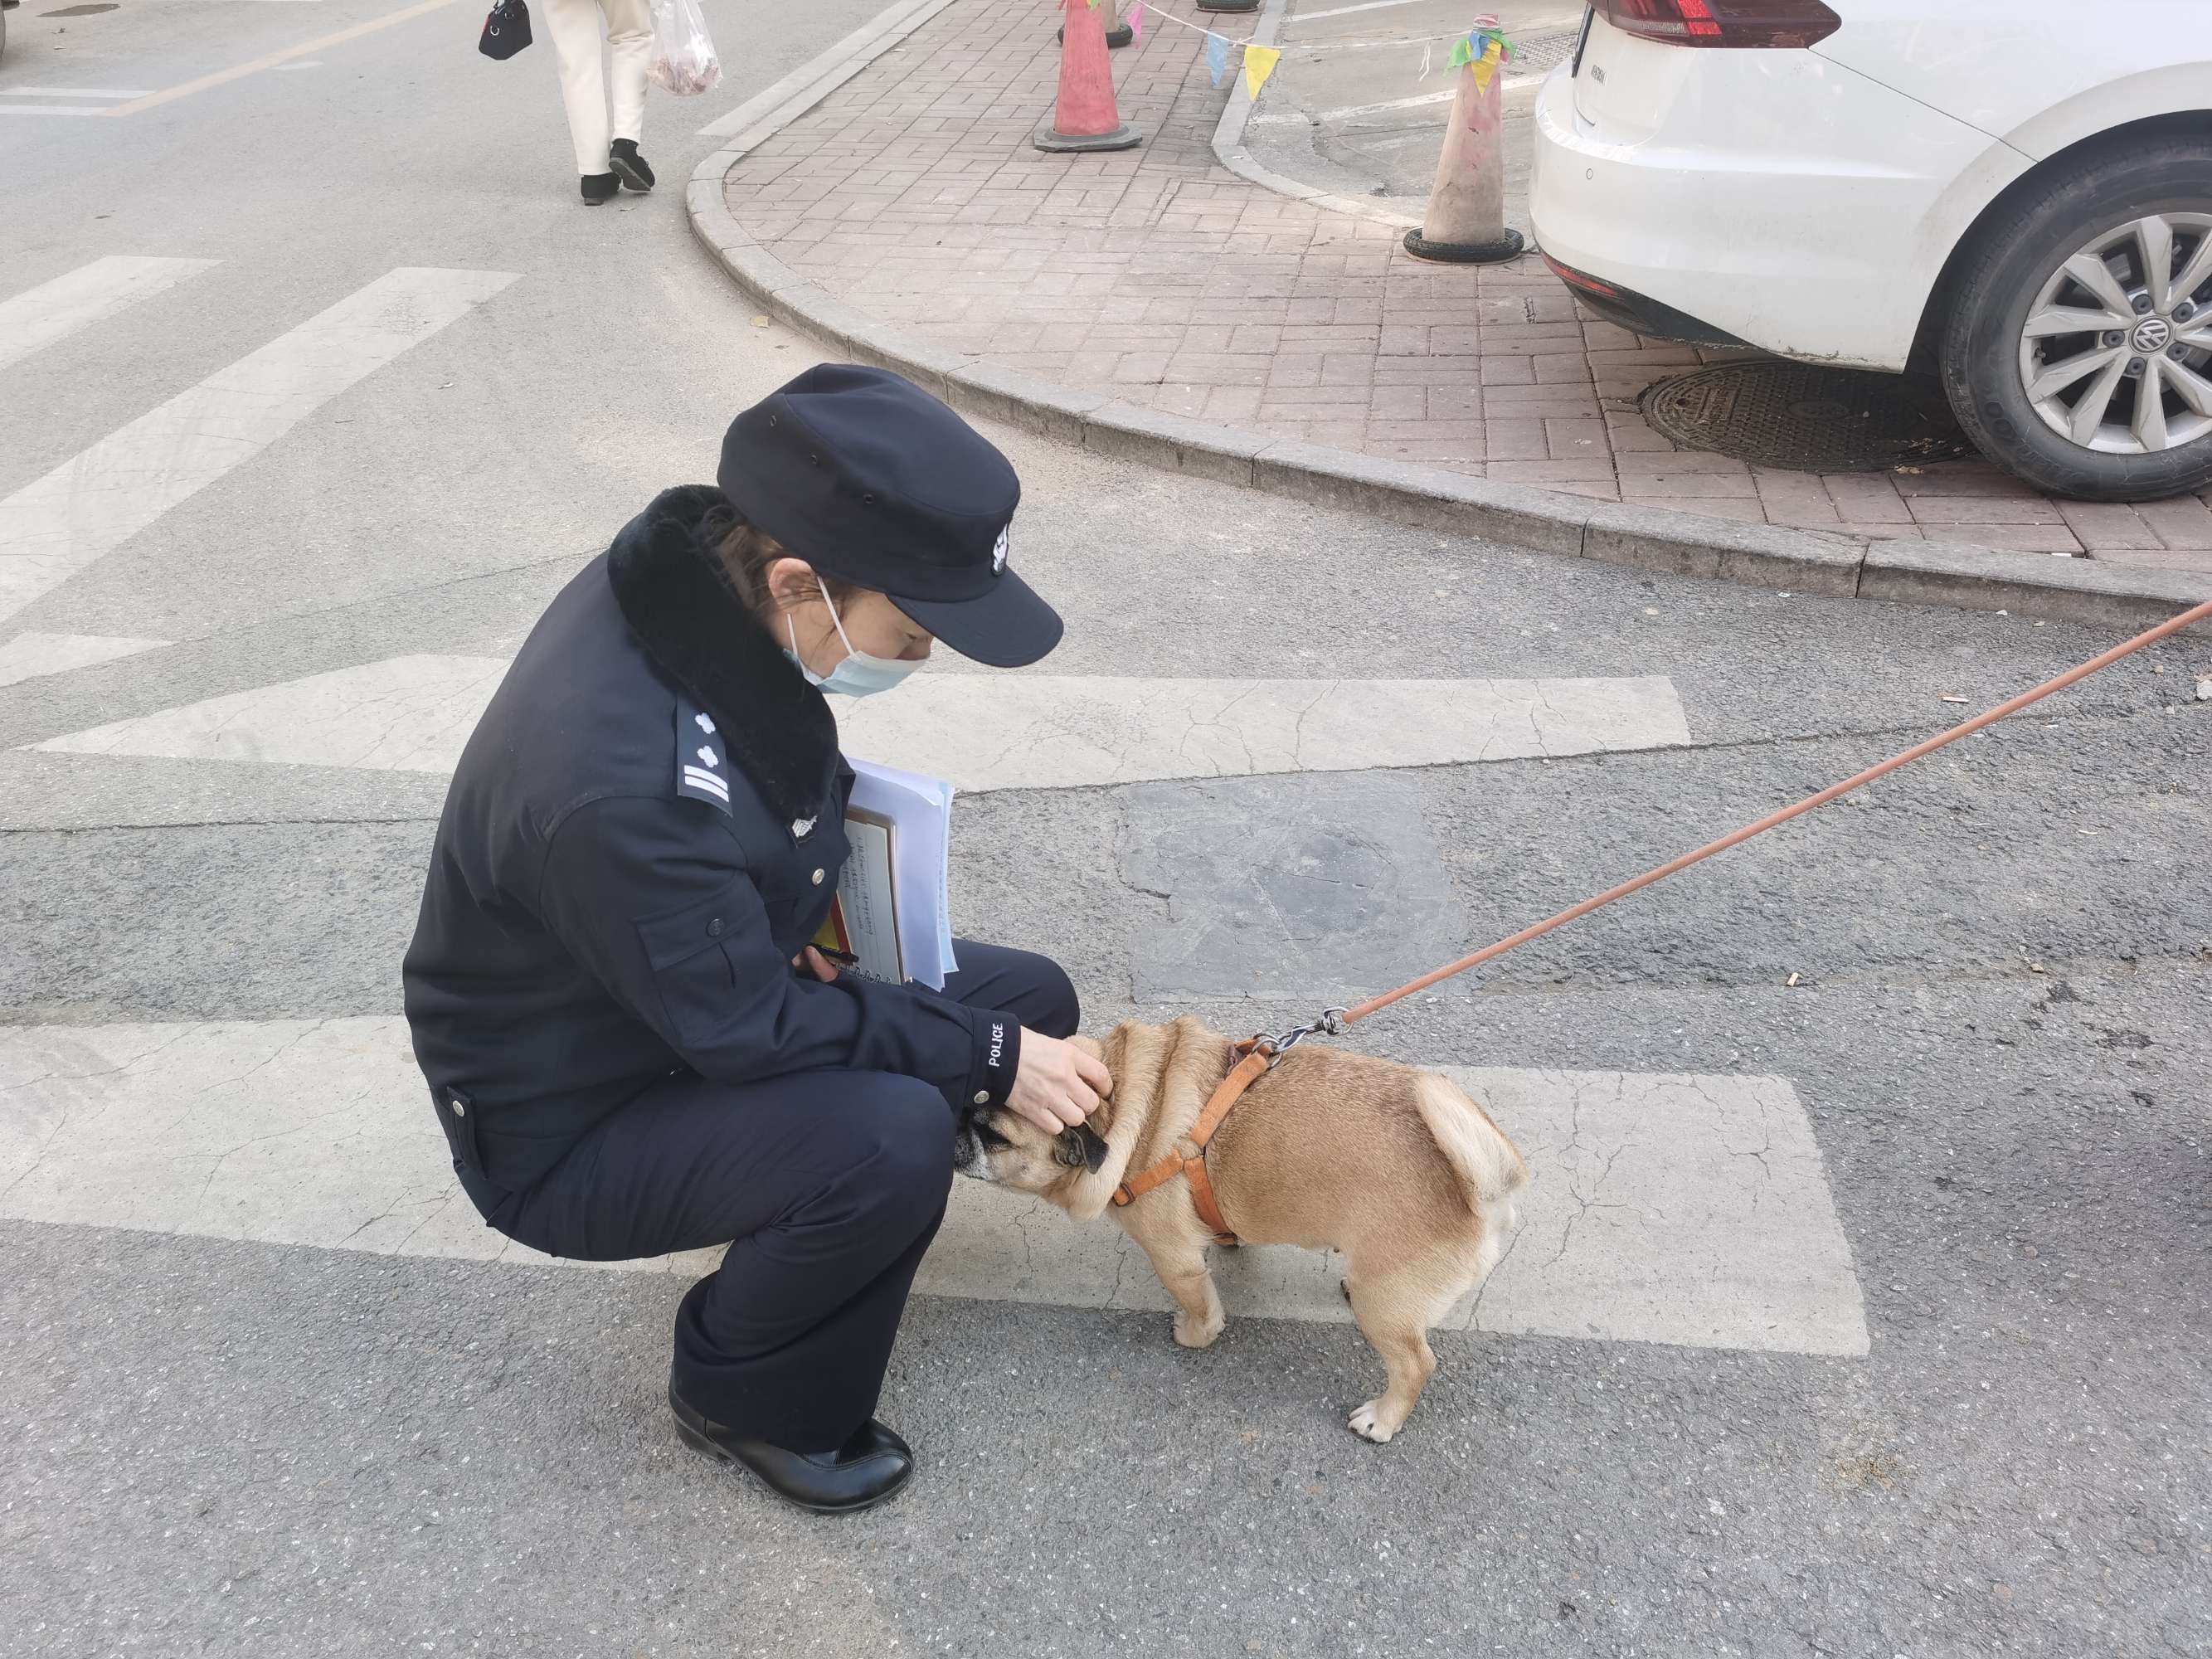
(870, 479)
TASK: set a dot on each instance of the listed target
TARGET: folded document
(892, 917)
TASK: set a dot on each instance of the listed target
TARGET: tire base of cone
(1229, 5)
(1084, 117)
(1507, 244)
(1116, 37)
(1122, 137)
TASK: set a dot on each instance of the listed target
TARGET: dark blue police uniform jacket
(646, 827)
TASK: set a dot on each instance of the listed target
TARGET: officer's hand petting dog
(1056, 1085)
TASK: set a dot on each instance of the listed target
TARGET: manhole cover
(1813, 419)
(1540, 53)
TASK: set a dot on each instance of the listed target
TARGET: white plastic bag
(683, 58)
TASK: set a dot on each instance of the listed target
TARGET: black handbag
(505, 31)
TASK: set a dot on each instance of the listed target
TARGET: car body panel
(2037, 74)
(1779, 195)
(1806, 200)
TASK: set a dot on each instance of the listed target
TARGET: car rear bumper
(1639, 313)
(1791, 205)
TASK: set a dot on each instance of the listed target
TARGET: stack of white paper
(918, 810)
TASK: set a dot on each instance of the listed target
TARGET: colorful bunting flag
(1486, 66)
(1259, 64)
(1217, 59)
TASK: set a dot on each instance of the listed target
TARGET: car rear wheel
(2076, 347)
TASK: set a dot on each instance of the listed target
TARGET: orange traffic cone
(1085, 119)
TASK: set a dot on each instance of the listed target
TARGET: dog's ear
(1081, 1148)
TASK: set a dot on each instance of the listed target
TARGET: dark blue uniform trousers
(828, 1187)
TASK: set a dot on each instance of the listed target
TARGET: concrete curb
(1544, 520)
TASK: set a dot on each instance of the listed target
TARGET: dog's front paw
(1373, 1421)
(1198, 1333)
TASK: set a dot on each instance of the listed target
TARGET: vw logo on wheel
(2153, 334)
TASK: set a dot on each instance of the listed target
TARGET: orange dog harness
(1258, 1055)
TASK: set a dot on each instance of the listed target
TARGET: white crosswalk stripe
(56, 525)
(28, 656)
(982, 731)
(53, 311)
(1665, 1207)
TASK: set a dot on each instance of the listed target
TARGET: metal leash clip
(1331, 1024)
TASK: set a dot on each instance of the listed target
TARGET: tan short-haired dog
(1396, 1167)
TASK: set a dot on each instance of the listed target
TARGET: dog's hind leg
(1181, 1264)
(1395, 1306)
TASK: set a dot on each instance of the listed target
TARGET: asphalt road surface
(1862, 1308)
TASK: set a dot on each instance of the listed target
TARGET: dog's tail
(1488, 1165)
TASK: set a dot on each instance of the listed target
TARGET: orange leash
(1261, 1053)
(1336, 1020)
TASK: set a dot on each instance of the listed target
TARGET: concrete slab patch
(1681, 1209)
(1668, 1208)
(1327, 888)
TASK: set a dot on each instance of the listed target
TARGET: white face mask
(859, 675)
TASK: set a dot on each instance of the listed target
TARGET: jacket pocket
(694, 966)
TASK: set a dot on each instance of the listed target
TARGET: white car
(2017, 194)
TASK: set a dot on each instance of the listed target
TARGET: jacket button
(459, 1110)
(982, 1096)
(714, 928)
(817, 878)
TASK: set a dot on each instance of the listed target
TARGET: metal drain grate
(1802, 416)
(1537, 56)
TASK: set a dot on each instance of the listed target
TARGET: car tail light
(1722, 22)
(1581, 279)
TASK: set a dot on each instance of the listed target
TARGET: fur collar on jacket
(777, 728)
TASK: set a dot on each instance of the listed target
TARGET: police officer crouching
(630, 1046)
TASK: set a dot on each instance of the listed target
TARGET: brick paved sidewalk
(915, 195)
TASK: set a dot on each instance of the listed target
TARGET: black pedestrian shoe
(599, 187)
(622, 157)
(871, 1467)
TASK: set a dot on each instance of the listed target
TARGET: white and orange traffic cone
(1084, 117)
(1465, 223)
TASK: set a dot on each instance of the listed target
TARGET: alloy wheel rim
(2116, 354)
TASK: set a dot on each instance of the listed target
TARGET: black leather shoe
(622, 157)
(599, 187)
(869, 1467)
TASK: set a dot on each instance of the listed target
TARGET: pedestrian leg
(574, 27)
(630, 48)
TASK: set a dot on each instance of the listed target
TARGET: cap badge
(998, 551)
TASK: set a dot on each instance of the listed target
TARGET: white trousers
(588, 79)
